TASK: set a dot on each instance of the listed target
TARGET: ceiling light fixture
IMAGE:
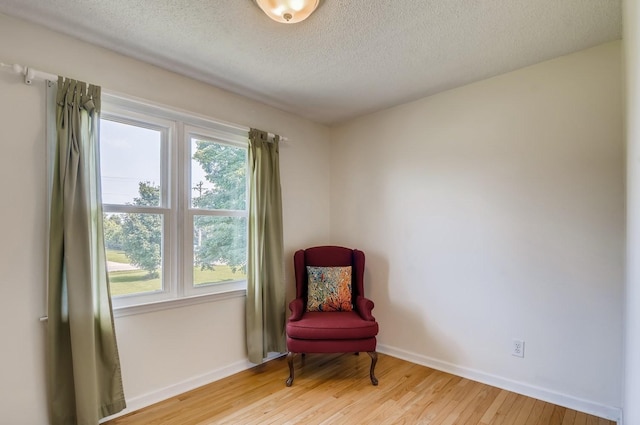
(288, 11)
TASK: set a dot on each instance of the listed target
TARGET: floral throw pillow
(329, 289)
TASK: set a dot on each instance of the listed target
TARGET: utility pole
(199, 188)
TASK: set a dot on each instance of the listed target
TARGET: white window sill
(176, 303)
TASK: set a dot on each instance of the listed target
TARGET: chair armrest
(297, 308)
(364, 307)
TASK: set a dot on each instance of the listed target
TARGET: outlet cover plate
(517, 348)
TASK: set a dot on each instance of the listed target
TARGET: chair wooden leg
(374, 360)
(290, 357)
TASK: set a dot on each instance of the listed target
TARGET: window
(174, 192)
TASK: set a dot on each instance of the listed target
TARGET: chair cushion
(329, 289)
(319, 325)
(331, 345)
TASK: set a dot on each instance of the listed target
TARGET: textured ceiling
(349, 58)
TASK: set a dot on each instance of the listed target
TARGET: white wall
(171, 349)
(22, 256)
(632, 295)
(496, 211)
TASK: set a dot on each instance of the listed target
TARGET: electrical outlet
(517, 348)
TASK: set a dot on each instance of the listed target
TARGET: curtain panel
(83, 366)
(265, 314)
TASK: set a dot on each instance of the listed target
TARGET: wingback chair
(332, 331)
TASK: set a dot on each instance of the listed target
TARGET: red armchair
(331, 331)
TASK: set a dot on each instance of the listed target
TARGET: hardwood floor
(335, 389)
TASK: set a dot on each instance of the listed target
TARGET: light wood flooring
(335, 389)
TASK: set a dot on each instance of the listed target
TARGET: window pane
(218, 175)
(219, 249)
(129, 159)
(134, 252)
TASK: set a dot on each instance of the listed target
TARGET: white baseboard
(144, 400)
(550, 396)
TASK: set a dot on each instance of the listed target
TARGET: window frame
(190, 212)
(177, 270)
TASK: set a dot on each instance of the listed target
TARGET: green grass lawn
(137, 281)
(133, 282)
(117, 256)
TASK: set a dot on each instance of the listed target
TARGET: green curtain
(265, 280)
(83, 368)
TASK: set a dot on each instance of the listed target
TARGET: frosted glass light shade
(288, 11)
